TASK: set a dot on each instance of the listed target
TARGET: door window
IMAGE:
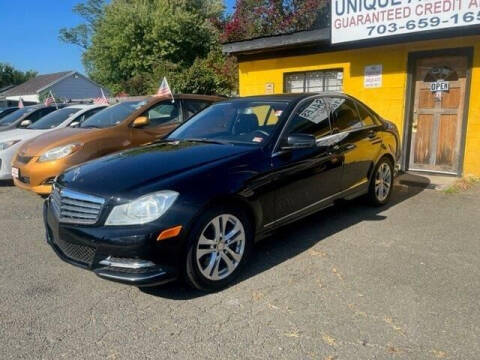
(163, 113)
(344, 115)
(191, 107)
(36, 115)
(311, 118)
(87, 114)
(365, 116)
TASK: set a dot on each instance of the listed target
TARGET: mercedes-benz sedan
(192, 205)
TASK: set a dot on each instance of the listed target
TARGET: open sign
(439, 86)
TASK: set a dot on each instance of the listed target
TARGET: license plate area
(15, 172)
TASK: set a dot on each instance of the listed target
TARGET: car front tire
(218, 248)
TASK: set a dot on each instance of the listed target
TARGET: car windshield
(243, 122)
(11, 118)
(5, 112)
(112, 115)
(54, 119)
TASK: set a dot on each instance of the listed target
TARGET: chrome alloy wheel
(383, 182)
(221, 247)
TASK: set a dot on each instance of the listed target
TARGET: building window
(314, 81)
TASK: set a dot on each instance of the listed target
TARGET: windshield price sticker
(368, 19)
(316, 112)
(439, 86)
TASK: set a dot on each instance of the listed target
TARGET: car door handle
(350, 146)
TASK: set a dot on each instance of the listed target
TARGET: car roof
(86, 106)
(286, 97)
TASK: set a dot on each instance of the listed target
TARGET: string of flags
(163, 91)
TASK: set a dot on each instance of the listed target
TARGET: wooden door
(438, 115)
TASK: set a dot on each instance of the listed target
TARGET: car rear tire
(218, 248)
(381, 184)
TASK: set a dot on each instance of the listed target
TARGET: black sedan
(192, 205)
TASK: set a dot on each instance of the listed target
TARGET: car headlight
(5, 145)
(59, 152)
(142, 210)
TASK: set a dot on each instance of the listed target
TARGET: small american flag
(20, 103)
(164, 89)
(49, 100)
(101, 100)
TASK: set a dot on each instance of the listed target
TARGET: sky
(30, 35)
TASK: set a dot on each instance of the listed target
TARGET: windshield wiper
(90, 127)
(207, 141)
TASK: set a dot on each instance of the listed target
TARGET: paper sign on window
(316, 112)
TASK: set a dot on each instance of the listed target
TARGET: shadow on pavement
(6, 183)
(300, 236)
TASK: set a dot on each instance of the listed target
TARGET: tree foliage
(11, 76)
(134, 43)
(255, 18)
(92, 12)
(131, 44)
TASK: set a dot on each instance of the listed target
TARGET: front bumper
(37, 177)
(91, 247)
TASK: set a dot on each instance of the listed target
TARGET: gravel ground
(351, 282)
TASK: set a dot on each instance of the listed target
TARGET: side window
(36, 115)
(312, 118)
(163, 113)
(87, 114)
(344, 115)
(191, 107)
(365, 116)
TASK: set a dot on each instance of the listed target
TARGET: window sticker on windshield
(316, 112)
(257, 139)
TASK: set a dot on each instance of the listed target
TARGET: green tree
(11, 76)
(92, 12)
(134, 43)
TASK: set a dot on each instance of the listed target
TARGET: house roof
(277, 42)
(33, 86)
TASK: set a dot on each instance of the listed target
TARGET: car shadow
(297, 238)
(6, 183)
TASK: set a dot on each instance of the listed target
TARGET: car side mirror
(26, 123)
(300, 141)
(74, 124)
(140, 121)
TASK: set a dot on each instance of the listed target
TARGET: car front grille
(24, 179)
(24, 159)
(79, 253)
(76, 208)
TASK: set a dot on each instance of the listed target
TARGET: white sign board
(369, 19)
(269, 88)
(373, 76)
(439, 86)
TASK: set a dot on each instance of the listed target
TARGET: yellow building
(427, 83)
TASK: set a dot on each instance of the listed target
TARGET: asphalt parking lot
(351, 282)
